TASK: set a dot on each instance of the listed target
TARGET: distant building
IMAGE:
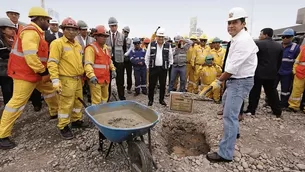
(193, 26)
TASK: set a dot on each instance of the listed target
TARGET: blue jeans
(181, 70)
(236, 91)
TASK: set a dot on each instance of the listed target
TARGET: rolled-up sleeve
(147, 56)
(237, 56)
(30, 42)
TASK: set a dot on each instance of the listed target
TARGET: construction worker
(189, 68)
(298, 82)
(239, 71)
(127, 64)
(285, 77)
(27, 67)
(170, 41)
(211, 44)
(115, 41)
(198, 60)
(158, 58)
(138, 61)
(217, 52)
(209, 73)
(7, 34)
(53, 33)
(98, 65)
(66, 70)
(179, 64)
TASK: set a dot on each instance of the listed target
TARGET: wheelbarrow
(139, 154)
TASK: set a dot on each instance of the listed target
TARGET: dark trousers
(271, 94)
(140, 79)
(128, 68)
(286, 88)
(6, 88)
(120, 80)
(157, 74)
(36, 98)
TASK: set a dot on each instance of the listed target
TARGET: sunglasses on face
(104, 36)
(136, 43)
(287, 37)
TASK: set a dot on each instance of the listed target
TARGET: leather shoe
(163, 103)
(150, 103)
(214, 157)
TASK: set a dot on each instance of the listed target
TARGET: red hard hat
(146, 40)
(101, 30)
(69, 22)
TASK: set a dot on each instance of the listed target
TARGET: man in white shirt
(158, 58)
(239, 71)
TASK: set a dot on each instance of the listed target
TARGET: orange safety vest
(101, 64)
(300, 68)
(17, 66)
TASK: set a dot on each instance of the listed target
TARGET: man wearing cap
(14, 15)
(127, 64)
(53, 33)
(116, 42)
(27, 66)
(158, 58)
(239, 71)
(217, 52)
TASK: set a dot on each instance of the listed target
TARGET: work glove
(126, 59)
(113, 74)
(57, 85)
(94, 80)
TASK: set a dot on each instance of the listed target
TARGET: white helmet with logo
(237, 13)
(160, 32)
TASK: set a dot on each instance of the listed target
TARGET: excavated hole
(185, 138)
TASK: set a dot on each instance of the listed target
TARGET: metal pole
(42, 3)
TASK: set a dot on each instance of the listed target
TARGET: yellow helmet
(193, 37)
(38, 12)
(203, 36)
(210, 40)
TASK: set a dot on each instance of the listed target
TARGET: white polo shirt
(242, 60)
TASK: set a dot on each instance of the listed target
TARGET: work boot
(291, 110)
(136, 94)
(129, 91)
(66, 133)
(6, 143)
(144, 92)
(150, 103)
(53, 117)
(79, 124)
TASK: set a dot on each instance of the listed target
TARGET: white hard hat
(237, 13)
(53, 21)
(12, 11)
(160, 32)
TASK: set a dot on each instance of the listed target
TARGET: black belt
(240, 78)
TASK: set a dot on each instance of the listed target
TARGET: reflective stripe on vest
(287, 60)
(26, 52)
(99, 66)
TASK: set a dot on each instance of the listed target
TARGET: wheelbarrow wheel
(140, 157)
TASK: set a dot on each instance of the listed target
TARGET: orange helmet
(101, 30)
(146, 40)
(69, 22)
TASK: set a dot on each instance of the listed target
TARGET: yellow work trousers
(99, 93)
(213, 94)
(197, 77)
(190, 78)
(21, 93)
(296, 95)
(69, 106)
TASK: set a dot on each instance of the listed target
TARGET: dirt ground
(180, 142)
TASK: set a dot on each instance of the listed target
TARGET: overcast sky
(144, 16)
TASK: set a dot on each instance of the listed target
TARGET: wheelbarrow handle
(82, 101)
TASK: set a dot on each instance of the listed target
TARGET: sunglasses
(113, 25)
(136, 43)
(287, 37)
(104, 36)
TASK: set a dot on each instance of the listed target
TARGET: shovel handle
(82, 101)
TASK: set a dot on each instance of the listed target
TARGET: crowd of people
(38, 60)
